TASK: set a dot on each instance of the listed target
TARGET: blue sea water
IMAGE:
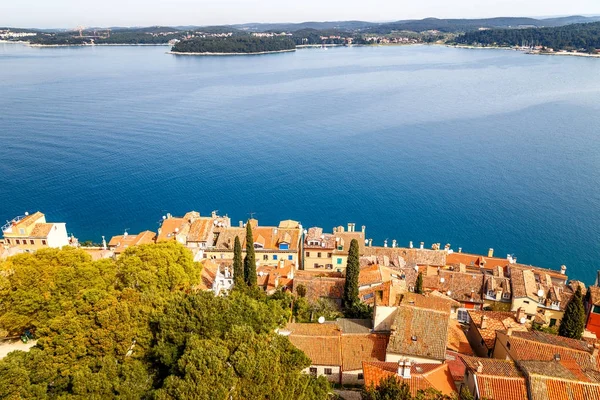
(477, 148)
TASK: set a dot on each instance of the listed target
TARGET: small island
(234, 45)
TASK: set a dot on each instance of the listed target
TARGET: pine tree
(573, 321)
(350, 298)
(419, 284)
(250, 259)
(238, 265)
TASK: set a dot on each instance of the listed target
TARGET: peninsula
(233, 45)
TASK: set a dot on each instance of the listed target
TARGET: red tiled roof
(553, 380)
(463, 287)
(457, 340)
(492, 366)
(423, 376)
(320, 287)
(369, 275)
(456, 366)
(495, 321)
(322, 350)
(501, 388)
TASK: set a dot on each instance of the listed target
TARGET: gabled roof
(433, 301)
(494, 321)
(457, 340)
(419, 332)
(369, 275)
(201, 230)
(552, 380)
(322, 350)
(422, 376)
(594, 295)
(41, 230)
(169, 226)
(404, 257)
(320, 287)
(461, 286)
(496, 379)
(121, 242)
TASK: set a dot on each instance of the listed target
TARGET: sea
(478, 148)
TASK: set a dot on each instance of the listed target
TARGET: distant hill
(348, 26)
(569, 37)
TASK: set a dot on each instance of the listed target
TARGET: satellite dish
(449, 293)
(321, 320)
(260, 273)
(164, 217)
(26, 213)
(523, 320)
(541, 293)
(176, 230)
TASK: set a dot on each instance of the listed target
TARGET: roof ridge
(549, 344)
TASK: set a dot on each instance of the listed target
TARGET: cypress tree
(250, 259)
(419, 284)
(573, 322)
(238, 266)
(352, 270)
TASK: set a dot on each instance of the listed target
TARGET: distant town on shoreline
(574, 35)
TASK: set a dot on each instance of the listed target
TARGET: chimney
(350, 227)
(410, 246)
(563, 269)
(214, 214)
(472, 294)
(422, 245)
(447, 246)
(509, 331)
(483, 322)
(168, 215)
(241, 224)
(364, 230)
(404, 368)
(479, 367)
(103, 243)
(491, 252)
(460, 249)
(370, 242)
(385, 243)
(394, 243)
(282, 264)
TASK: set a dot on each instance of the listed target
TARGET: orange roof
(168, 227)
(501, 388)
(457, 340)
(41, 230)
(121, 242)
(369, 275)
(357, 348)
(200, 230)
(437, 302)
(29, 220)
(494, 321)
(422, 376)
(320, 342)
(552, 380)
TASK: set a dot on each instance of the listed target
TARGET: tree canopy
(238, 265)
(136, 328)
(250, 258)
(573, 321)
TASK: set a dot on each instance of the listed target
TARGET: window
(368, 296)
(552, 321)
(205, 255)
(274, 256)
(222, 256)
(31, 241)
(477, 307)
(340, 248)
(8, 241)
(339, 261)
(506, 296)
(318, 255)
(18, 241)
(284, 246)
(491, 293)
(526, 302)
(462, 315)
(361, 376)
(290, 257)
(596, 310)
(22, 231)
(313, 371)
(328, 371)
(329, 255)
(508, 345)
(308, 254)
(265, 257)
(316, 265)
(43, 242)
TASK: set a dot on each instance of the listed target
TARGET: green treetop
(419, 284)
(573, 322)
(238, 265)
(250, 259)
(350, 298)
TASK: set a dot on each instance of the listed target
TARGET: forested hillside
(570, 37)
(234, 44)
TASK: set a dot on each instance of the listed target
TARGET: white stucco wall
(58, 235)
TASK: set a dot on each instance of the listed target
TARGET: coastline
(526, 51)
(92, 45)
(179, 53)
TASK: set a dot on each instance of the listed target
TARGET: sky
(72, 13)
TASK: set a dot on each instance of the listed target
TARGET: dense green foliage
(238, 264)
(234, 44)
(573, 321)
(391, 388)
(419, 284)
(136, 329)
(576, 36)
(250, 258)
(352, 271)
(147, 36)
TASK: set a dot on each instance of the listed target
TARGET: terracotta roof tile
(322, 350)
(594, 295)
(559, 380)
(369, 275)
(357, 348)
(428, 328)
(401, 257)
(501, 388)
(492, 366)
(423, 376)
(201, 230)
(494, 321)
(456, 365)
(41, 230)
(430, 301)
(457, 340)
(463, 287)
(120, 243)
(320, 287)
